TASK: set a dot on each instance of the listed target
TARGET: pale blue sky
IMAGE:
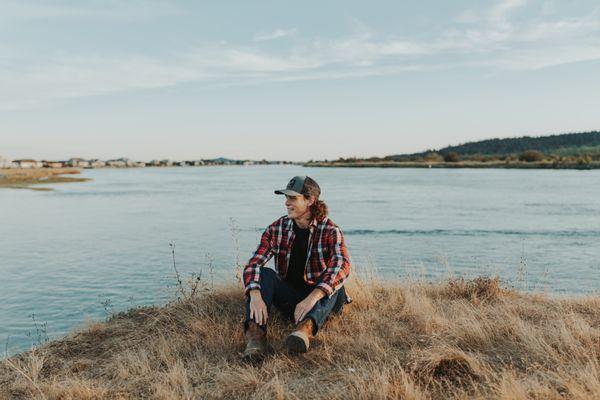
(288, 79)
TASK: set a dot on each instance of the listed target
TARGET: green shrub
(452, 157)
(433, 156)
(531, 156)
(583, 160)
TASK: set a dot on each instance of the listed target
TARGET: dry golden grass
(411, 340)
(23, 178)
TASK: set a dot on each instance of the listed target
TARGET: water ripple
(471, 232)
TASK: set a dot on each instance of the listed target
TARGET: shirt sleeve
(338, 265)
(261, 256)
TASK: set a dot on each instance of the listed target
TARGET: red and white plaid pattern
(327, 266)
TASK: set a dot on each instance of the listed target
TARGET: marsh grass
(29, 178)
(415, 340)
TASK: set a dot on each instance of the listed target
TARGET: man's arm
(263, 253)
(317, 294)
(304, 307)
(338, 265)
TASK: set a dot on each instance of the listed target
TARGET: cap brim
(288, 192)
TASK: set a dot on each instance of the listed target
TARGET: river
(87, 249)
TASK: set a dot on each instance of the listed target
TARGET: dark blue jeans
(276, 291)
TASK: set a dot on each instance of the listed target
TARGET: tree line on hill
(579, 148)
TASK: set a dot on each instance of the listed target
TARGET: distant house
(95, 163)
(78, 163)
(52, 164)
(27, 163)
(127, 162)
(116, 163)
(198, 163)
(166, 163)
(74, 161)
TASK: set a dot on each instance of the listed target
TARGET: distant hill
(223, 160)
(563, 144)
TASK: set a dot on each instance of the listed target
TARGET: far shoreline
(457, 165)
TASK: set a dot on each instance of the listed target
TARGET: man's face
(297, 206)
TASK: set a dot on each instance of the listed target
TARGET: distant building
(116, 163)
(28, 163)
(128, 162)
(166, 163)
(78, 163)
(96, 163)
(53, 164)
(74, 161)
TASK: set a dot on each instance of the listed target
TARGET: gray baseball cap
(300, 185)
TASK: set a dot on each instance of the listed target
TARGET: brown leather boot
(299, 340)
(257, 346)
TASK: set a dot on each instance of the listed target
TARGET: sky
(290, 80)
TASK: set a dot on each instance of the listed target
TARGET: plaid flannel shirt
(327, 264)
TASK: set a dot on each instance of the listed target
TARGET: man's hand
(258, 308)
(307, 304)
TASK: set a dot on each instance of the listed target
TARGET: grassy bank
(460, 164)
(30, 178)
(458, 339)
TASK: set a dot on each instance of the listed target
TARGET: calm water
(68, 255)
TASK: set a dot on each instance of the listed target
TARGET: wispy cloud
(70, 75)
(276, 34)
(489, 39)
(23, 10)
(531, 44)
(501, 11)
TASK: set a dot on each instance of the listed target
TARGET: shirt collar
(313, 224)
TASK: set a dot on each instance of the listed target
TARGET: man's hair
(319, 209)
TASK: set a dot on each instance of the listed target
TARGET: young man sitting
(311, 262)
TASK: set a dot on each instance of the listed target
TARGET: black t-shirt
(298, 257)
